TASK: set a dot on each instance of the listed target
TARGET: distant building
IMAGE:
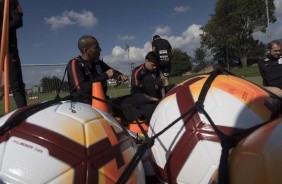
(37, 89)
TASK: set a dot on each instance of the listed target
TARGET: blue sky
(52, 28)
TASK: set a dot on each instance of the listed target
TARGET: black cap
(153, 57)
(156, 36)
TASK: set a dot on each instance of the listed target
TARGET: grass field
(251, 73)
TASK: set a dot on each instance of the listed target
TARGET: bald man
(88, 68)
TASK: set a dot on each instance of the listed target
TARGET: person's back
(164, 50)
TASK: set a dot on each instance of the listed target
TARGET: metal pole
(4, 61)
(267, 17)
(130, 76)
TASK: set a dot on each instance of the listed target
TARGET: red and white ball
(189, 151)
(66, 143)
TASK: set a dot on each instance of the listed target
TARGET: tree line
(227, 39)
(52, 84)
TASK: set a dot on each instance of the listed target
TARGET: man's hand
(110, 73)
(275, 90)
(122, 78)
(151, 98)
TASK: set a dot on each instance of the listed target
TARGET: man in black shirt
(163, 48)
(147, 90)
(270, 68)
(88, 68)
(146, 78)
(15, 72)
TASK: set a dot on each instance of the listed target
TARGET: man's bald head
(85, 42)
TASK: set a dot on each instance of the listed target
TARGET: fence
(35, 93)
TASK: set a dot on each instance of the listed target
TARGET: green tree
(233, 24)
(258, 52)
(181, 63)
(50, 84)
(199, 59)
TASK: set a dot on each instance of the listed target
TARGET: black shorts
(165, 67)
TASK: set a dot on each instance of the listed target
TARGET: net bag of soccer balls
(195, 119)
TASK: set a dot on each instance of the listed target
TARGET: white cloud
(192, 31)
(276, 28)
(163, 30)
(68, 18)
(278, 5)
(121, 60)
(181, 9)
(187, 42)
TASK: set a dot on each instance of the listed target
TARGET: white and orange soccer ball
(258, 158)
(67, 142)
(190, 150)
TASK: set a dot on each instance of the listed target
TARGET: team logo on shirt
(164, 58)
(98, 69)
(163, 51)
(154, 76)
